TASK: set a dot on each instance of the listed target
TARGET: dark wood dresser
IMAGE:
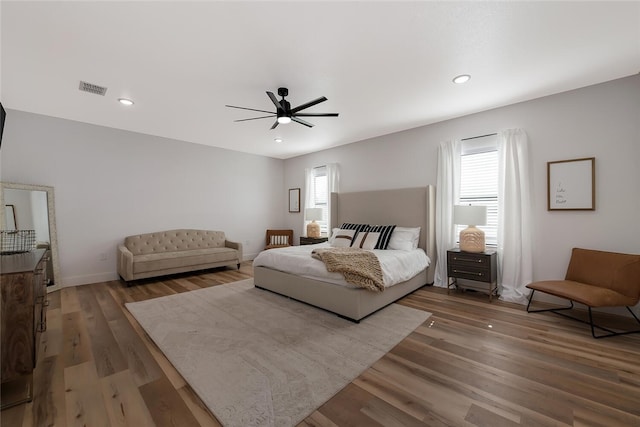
(23, 318)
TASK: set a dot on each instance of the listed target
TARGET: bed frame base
(353, 304)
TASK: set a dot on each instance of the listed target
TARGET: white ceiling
(384, 66)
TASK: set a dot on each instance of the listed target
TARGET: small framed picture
(294, 200)
(571, 185)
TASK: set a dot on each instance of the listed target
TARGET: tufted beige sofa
(175, 251)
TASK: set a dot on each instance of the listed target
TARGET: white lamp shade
(470, 215)
(313, 214)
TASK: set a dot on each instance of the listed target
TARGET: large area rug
(259, 359)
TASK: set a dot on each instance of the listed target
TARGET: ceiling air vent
(91, 88)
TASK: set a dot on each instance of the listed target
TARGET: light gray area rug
(259, 359)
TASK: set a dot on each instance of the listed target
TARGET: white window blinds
(320, 196)
(479, 181)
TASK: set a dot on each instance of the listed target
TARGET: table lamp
(313, 214)
(471, 238)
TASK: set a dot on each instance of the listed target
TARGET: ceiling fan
(284, 113)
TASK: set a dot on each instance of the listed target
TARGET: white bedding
(397, 266)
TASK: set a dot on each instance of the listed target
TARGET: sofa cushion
(166, 260)
(174, 241)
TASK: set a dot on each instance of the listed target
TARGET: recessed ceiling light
(278, 140)
(462, 78)
(125, 101)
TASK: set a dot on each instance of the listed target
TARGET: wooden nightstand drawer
(460, 258)
(471, 274)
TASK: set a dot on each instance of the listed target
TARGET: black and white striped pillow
(353, 226)
(385, 234)
(279, 240)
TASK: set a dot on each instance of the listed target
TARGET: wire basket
(17, 241)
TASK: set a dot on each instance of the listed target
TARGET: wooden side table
(479, 267)
(312, 240)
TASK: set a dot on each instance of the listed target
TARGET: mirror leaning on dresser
(23, 197)
(29, 269)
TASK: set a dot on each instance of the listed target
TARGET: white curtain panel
(447, 195)
(515, 252)
(333, 181)
(308, 191)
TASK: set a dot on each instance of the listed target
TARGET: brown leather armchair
(595, 279)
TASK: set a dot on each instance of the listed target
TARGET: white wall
(110, 183)
(600, 121)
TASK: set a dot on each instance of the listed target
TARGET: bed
(408, 207)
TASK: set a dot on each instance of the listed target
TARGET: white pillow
(404, 238)
(343, 238)
(334, 233)
(366, 240)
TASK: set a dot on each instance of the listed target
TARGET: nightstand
(479, 267)
(312, 240)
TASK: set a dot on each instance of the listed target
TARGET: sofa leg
(238, 266)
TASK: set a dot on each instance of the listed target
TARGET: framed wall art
(571, 185)
(294, 200)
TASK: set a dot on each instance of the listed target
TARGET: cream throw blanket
(359, 267)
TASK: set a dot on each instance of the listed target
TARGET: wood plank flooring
(472, 363)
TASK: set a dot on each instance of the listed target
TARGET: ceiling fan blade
(275, 125)
(254, 118)
(274, 100)
(317, 114)
(308, 104)
(302, 122)
(250, 109)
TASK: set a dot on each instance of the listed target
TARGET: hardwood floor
(471, 363)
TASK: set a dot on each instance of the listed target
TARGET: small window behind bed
(319, 182)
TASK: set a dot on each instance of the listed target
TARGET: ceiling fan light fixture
(284, 113)
(462, 78)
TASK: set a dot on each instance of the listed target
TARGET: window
(479, 181)
(319, 192)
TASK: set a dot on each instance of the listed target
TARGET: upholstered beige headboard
(405, 207)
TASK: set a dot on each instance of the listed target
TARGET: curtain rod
(479, 136)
